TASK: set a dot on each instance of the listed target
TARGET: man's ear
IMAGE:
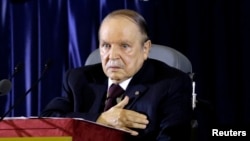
(146, 48)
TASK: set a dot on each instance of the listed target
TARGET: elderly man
(154, 102)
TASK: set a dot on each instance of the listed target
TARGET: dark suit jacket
(164, 96)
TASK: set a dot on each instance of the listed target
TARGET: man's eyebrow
(103, 41)
(126, 41)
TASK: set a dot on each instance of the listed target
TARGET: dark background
(213, 34)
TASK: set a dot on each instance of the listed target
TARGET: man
(156, 102)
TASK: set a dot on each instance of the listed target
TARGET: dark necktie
(114, 92)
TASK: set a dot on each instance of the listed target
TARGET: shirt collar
(123, 84)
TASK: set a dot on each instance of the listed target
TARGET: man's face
(122, 48)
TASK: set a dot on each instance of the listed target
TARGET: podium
(57, 129)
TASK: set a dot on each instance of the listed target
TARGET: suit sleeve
(66, 106)
(175, 124)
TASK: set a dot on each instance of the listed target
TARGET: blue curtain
(214, 35)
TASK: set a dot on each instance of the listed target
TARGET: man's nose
(114, 52)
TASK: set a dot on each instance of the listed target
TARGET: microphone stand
(47, 65)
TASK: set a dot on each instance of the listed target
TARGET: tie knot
(115, 90)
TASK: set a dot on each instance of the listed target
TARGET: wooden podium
(57, 129)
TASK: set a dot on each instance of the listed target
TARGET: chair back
(166, 54)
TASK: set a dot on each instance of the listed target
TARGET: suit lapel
(137, 87)
(100, 92)
(134, 93)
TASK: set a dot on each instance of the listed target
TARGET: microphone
(5, 84)
(46, 67)
(17, 69)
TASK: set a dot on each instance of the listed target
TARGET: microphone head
(5, 86)
(18, 67)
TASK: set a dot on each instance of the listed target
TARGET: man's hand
(124, 119)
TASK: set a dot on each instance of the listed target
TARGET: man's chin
(115, 77)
